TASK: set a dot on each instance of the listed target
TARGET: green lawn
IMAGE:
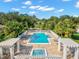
(75, 37)
(76, 41)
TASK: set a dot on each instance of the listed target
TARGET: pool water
(39, 38)
(39, 52)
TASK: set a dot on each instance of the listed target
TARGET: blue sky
(41, 8)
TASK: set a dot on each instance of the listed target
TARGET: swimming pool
(39, 38)
(39, 52)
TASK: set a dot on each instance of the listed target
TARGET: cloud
(15, 9)
(32, 12)
(40, 1)
(7, 0)
(60, 10)
(77, 4)
(66, 0)
(23, 7)
(46, 8)
(42, 8)
(34, 7)
(27, 3)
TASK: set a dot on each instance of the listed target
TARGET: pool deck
(20, 49)
(52, 48)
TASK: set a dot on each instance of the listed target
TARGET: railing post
(65, 52)
(12, 52)
(76, 53)
(18, 47)
(59, 44)
(1, 53)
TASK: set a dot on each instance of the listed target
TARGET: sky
(41, 8)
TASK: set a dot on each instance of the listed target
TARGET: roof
(69, 42)
(9, 42)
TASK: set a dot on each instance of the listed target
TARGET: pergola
(9, 44)
(68, 43)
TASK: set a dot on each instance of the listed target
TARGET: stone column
(12, 52)
(1, 53)
(18, 47)
(76, 53)
(65, 52)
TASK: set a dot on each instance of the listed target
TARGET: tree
(16, 23)
(65, 28)
(13, 27)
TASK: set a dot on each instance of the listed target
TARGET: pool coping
(36, 49)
